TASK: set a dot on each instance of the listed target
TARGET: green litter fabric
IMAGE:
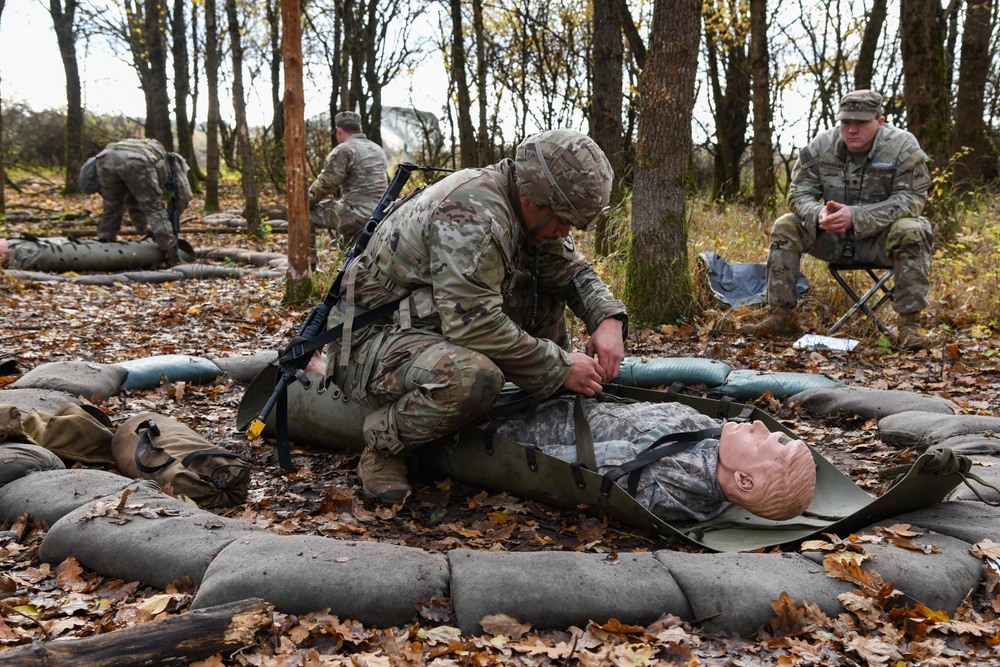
(750, 384)
(665, 371)
(839, 505)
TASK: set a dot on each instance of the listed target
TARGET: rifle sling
(304, 350)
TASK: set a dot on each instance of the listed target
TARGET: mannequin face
(4, 251)
(768, 473)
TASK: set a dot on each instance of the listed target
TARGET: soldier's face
(541, 223)
(860, 134)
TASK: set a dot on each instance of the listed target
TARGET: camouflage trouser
(420, 385)
(338, 216)
(128, 180)
(906, 245)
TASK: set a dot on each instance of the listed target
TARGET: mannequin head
(766, 473)
(4, 251)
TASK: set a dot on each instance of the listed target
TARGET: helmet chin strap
(545, 221)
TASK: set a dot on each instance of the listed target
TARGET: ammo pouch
(156, 447)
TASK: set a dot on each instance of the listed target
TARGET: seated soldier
(768, 474)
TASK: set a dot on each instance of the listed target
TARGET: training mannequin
(4, 252)
(768, 474)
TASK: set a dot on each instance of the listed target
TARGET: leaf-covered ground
(42, 322)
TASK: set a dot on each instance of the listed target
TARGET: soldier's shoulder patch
(569, 243)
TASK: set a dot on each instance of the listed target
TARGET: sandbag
(157, 447)
(146, 372)
(75, 433)
(79, 378)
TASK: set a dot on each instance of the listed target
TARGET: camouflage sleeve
(183, 185)
(333, 174)
(805, 191)
(910, 185)
(566, 273)
(468, 291)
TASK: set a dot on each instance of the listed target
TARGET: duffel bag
(183, 463)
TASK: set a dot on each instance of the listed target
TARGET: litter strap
(149, 431)
(662, 447)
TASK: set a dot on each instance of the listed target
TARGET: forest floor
(43, 322)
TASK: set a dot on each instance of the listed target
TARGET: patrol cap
(860, 105)
(568, 172)
(349, 120)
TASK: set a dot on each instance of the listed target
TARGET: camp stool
(880, 292)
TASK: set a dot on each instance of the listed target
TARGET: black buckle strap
(674, 442)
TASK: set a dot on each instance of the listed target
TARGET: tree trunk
(658, 280)
(486, 155)
(274, 38)
(925, 91)
(298, 280)
(148, 40)
(967, 140)
(606, 118)
(212, 162)
(466, 133)
(182, 90)
(732, 104)
(62, 21)
(181, 639)
(760, 66)
(635, 42)
(865, 66)
(374, 115)
(251, 207)
(3, 173)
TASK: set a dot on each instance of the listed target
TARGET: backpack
(88, 180)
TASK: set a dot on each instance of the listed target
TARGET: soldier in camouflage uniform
(486, 266)
(698, 482)
(135, 174)
(859, 187)
(358, 167)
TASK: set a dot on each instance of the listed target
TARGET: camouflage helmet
(566, 171)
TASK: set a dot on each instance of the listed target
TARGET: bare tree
(182, 91)
(925, 89)
(212, 162)
(298, 282)
(251, 206)
(606, 105)
(144, 30)
(3, 172)
(64, 22)
(658, 280)
(467, 146)
(271, 11)
(760, 66)
(865, 65)
(726, 31)
(970, 103)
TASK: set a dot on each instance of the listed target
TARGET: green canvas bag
(182, 462)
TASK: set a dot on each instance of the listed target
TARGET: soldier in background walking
(856, 194)
(134, 174)
(358, 167)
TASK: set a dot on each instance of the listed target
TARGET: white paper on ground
(815, 342)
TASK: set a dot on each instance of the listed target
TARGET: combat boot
(908, 333)
(780, 322)
(383, 476)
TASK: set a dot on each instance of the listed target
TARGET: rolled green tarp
(664, 371)
(749, 384)
(57, 254)
(318, 417)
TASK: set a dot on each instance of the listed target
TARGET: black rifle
(173, 206)
(313, 333)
